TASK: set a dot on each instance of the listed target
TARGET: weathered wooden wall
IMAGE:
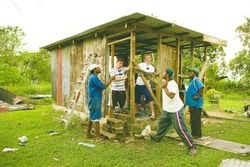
(53, 73)
(74, 58)
(65, 74)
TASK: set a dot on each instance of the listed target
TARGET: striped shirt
(118, 85)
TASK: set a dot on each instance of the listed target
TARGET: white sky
(46, 21)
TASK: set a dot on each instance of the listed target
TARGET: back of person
(95, 87)
(172, 104)
(193, 88)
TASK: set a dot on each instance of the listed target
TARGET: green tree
(244, 33)
(11, 43)
(240, 65)
(214, 53)
(35, 66)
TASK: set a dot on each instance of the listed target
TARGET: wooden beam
(192, 54)
(180, 69)
(132, 76)
(119, 41)
(159, 59)
(112, 55)
(154, 77)
(204, 67)
(182, 33)
(169, 25)
(177, 57)
(125, 31)
(151, 92)
(106, 67)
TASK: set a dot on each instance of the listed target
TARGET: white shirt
(172, 104)
(118, 85)
(147, 68)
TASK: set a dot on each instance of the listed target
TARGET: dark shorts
(142, 90)
(118, 97)
(95, 107)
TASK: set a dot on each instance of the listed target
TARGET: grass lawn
(42, 149)
(233, 101)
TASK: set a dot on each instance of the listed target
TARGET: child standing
(118, 86)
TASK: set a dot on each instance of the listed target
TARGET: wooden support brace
(151, 92)
(126, 31)
(119, 41)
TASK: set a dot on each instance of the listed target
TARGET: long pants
(166, 120)
(195, 121)
(118, 97)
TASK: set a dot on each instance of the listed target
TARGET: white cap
(93, 66)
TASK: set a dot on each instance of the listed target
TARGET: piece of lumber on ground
(228, 146)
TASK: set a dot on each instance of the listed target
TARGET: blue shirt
(194, 86)
(95, 87)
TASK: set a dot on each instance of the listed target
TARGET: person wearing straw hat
(172, 114)
(95, 87)
(194, 99)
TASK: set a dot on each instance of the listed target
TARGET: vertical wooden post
(107, 59)
(180, 68)
(177, 57)
(192, 54)
(112, 55)
(159, 68)
(204, 59)
(110, 110)
(132, 76)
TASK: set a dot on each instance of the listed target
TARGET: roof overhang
(146, 28)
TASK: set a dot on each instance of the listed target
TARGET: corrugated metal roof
(144, 20)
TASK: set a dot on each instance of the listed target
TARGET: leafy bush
(213, 95)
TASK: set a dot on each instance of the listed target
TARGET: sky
(47, 21)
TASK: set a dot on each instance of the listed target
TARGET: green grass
(232, 101)
(30, 89)
(43, 150)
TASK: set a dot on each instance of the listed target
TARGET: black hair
(92, 71)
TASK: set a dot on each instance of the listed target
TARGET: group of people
(172, 105)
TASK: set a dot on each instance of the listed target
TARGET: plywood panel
(167, 58)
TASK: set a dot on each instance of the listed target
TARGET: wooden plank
(107, 134)
(132, 76)
(228, 146)
(234, 163)
(203, 70)
(151, 92)
(119, 41)
(154, 77)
